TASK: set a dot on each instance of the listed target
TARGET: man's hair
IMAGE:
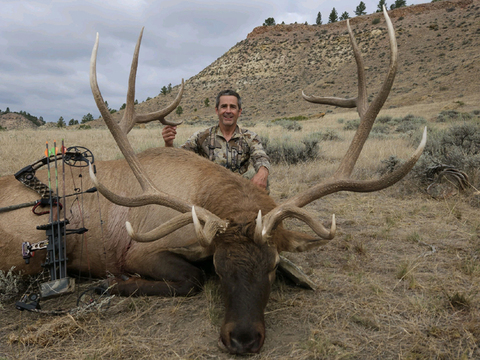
(228, 93)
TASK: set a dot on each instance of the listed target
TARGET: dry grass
(399, 281)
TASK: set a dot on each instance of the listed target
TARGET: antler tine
(368, 113)
(340, 180)
(293, 206)
(160, 115)
(119, 136)
(130, 118)
(150, 195)
(360, 102)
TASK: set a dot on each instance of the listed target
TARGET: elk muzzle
(241, 339)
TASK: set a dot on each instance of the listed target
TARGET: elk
(176, 212)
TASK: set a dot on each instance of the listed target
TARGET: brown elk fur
(175, 171)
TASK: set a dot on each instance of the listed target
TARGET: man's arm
(260, 161)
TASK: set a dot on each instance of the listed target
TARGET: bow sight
(56, 231)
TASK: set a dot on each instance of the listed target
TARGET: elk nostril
(246, 342)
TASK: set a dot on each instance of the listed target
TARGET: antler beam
(340, 180)
(150, 195)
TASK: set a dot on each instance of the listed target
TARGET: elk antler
(150, 195)
(340, 180)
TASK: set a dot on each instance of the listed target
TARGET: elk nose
(245, 342)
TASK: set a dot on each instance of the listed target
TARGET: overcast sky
(46, 45)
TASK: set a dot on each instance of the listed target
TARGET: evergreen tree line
(359, 10)
(36, 120)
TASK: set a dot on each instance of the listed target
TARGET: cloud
(46, 45)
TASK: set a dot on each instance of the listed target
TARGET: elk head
(245, 245)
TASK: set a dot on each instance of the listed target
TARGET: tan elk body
(180, 208)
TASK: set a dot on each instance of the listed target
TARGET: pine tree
(179, 111)
(333, 17)
(360, 10)
(87, 118)
(61, 122)
(269, 22)
(319, 19)
(398, 4)
(381, 4)
(344, 16)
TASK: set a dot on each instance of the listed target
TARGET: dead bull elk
(243, 231)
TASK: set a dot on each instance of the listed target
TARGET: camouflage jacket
(236, 154)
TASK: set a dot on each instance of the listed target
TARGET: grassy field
(401, 279)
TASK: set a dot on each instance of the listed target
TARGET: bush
(289, 152)
(385, 119)
(289, 124)
(389, 165)
(409, 123)
(454, 115)
(11, 285)
(380, 129)
(351, 124)
(328, 135)
(458, 146)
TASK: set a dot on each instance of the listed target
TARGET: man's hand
(261, 177)
(168, 134)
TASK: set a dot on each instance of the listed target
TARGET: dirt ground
(399, 281)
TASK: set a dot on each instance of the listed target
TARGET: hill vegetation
(439, 55)
(19, 120)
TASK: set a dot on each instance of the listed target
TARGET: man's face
(228, 111)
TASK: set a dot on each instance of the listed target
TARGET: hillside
(439, 62)
(15, 121)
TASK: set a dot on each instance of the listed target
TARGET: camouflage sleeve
(257, 153)
(192, 143)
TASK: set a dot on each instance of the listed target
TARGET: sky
(46, 45)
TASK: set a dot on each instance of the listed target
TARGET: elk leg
(171, 276)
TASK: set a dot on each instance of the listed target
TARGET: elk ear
(295, 241)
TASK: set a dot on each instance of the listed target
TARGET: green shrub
(351, 124)
(384, 119)
(328, 135)
(454, 115)
(458, 146)
(389, 165)
(289, 152)
(409, 123)
(380, 129)
(289, 124)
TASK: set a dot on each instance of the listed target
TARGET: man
(226, 144)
